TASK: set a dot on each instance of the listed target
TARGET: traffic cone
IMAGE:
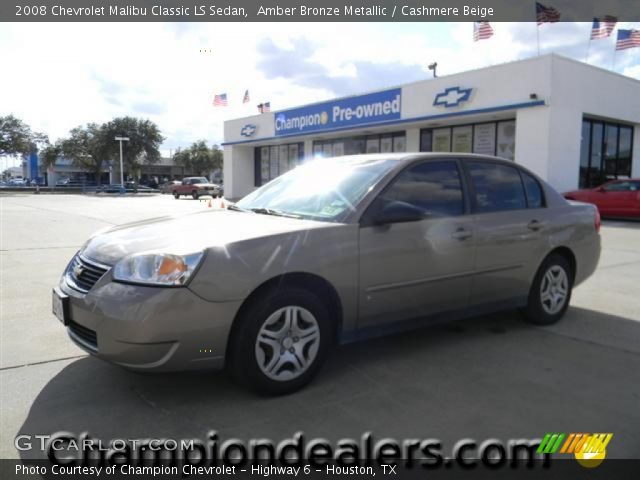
(209, 203)
(222, 204)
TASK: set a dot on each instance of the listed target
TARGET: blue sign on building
(361, 110)
(33, 165)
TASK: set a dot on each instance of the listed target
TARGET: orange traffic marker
(209, 203)
(221, 203)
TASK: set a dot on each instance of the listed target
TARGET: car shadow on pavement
(487, 377)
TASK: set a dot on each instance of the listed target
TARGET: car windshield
(199, 180)
(321, 189)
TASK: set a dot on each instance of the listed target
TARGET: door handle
(461, 234)
(535, 225)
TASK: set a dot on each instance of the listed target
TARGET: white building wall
(532, 140)
(505, 84)
(238, 171)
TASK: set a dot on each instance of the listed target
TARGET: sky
(57, 76)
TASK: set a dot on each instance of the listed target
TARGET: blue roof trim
(535, 103)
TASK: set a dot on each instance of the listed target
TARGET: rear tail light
(597, 221)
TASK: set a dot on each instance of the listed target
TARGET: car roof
(413, 156)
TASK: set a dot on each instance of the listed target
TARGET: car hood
(189, 233)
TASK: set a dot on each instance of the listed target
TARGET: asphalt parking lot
(488, 377)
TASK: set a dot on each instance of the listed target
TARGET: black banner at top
(313, 10)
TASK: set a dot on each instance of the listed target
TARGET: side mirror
(601, 190)
(398, 212)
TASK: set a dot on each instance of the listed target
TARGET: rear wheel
(194, 194)
(550, 292)
(176, 195)
(281, 341)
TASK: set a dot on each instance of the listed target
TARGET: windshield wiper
(276, 213)
(236, 208)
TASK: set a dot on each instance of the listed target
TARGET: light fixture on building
(433, 66)
(533, 96)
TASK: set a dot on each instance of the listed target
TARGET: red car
(618, 198)
(196, 187)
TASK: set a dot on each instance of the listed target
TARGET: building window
(275, 160)
(492, 138)
(605, 152)
(384, 143)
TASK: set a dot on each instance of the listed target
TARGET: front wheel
(281, 341)
(550, 292)
(176, 195)
(194, 194)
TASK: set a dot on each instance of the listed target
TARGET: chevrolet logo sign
(452, 97)
(78, 270)
(248, 130)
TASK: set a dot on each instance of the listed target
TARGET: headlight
(157, 268)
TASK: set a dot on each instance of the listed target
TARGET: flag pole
(613, 66)
(538, 37)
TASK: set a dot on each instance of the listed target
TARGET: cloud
(149, 108)
(297, 66)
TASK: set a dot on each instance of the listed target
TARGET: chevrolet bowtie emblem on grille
(248, 130)
(77, 270)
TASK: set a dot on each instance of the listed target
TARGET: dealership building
(573, 124)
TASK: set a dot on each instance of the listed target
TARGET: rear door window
(535, 197)
(497, 187)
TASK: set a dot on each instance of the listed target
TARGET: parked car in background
(196, 187)
(167, 187)
(18, 182)
(617, 198)
(336, 249)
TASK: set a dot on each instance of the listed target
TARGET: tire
(176, 195)
(254, 359)
(550, 292)
(194, 194)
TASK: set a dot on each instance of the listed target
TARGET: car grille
(84, 274)
(84, 335)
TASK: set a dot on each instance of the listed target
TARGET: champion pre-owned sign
(361, 110)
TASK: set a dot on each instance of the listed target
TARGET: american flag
(603, 28)
(628, 39)
(482, 31)
(220, 100)
(264, 107)
(546, 14)
(246, 99)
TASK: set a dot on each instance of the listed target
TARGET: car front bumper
(149, 328)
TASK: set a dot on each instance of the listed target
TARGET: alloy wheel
(554, 289)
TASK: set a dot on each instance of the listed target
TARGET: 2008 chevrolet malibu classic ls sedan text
(334, 250)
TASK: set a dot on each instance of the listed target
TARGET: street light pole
(121, 139)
